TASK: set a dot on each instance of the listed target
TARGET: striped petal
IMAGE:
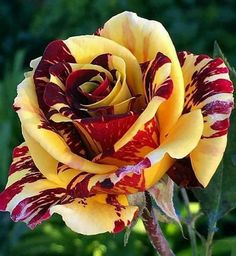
(65, 95)
(157, 82)
(208, 88)
(56, 52)
(145, 140)
(97, 214)
(101, 133)
(28, 194)
(86, 48)
(38, 127)
(137, 177)
(145, 38)
(31, 198)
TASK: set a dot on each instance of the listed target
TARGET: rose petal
(120, 91)
(98, 214)
(145, 116)
(38, 127)
(55, 52)
(100, 133)
(182, 139)
(31, 198)
(157, 82)
(145, 38)
(86, 48)
(208, 88)
(145, 140)
(155, 73)
(28, 195)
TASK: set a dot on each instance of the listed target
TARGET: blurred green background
(26, 27)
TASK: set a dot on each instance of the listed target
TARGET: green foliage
(9, 125)
(54, 238)
(193, 25)
(10, 137)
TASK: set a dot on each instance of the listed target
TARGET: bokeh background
(26, 27)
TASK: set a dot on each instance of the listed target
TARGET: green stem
(153, 229)
(190, 223)
(209, 241)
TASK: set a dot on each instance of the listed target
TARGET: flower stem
(190, 223)
(153, 229)
(209, 241)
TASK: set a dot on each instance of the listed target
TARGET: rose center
(87, 86)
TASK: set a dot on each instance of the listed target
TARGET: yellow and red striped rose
(107, 115)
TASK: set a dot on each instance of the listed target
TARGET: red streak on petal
(119, 226)
(200, 58)
(79, 77)
(218, 107)
(221, 125)
(56, 52)
(102, 88)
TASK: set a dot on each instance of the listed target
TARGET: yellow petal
(182, 139)
(96, 215)
(146, 116)
(43, 161)
(145, 38)
(206, 158)
(35, 124)
(86, 48)
(154, 173)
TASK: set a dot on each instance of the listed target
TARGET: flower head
(107, 115)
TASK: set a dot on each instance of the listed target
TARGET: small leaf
(163, 193)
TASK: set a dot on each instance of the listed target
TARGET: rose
(107, 116)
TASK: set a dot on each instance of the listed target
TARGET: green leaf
(225, 246)
(162, 193)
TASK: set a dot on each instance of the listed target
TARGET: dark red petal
(35, 209)
(101, 90)
(182, 174)
(126, 180)
(61, 70)
(55, 52)
(102, 60)
(53, 95)
(132, 152)
(106, 130)
(79, 77)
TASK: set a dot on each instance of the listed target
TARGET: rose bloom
(107, 115)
